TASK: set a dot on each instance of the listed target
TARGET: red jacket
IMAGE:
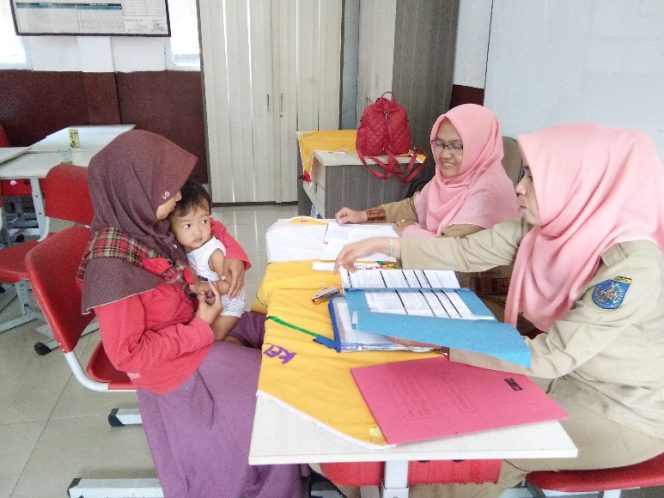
(154, 336)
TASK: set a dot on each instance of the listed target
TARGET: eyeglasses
(453, 147)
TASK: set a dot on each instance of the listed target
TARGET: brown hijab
(129, 179)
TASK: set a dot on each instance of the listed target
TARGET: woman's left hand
(234, 274)
(401, 225)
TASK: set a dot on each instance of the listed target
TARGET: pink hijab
(595, 187)
(481, 194)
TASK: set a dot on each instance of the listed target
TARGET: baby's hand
(223, 286)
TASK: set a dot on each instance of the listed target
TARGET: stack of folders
(346, 333)
(425, 306)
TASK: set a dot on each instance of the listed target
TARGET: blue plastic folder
(486, 335)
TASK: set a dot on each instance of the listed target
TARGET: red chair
(52, 267)
(607, 482)
(66, 196)
(427, 472)
(18, 192)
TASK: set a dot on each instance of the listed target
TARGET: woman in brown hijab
(196, 396)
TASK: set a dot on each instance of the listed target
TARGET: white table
(91, 137)
(36, 162)
(8, 153)
(280, 435)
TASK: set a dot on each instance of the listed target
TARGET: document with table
(427, 306)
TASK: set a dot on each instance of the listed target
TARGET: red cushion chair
(52, 266)
(608, 482)
(66, 196)
(426, 472)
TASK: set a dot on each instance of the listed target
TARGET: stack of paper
(426, 310)
(337, 236)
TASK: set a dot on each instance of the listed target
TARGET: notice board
(76, 17)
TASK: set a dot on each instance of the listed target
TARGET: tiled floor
(52, 429)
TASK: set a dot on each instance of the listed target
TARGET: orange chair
(52, 267)
(66, 196)
(607, 482)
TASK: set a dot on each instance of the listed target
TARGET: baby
(190, 222)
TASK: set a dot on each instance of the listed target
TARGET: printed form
(415, 292)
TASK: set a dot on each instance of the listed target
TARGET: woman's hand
(414, 344)
(358, 250)
(234, 274)
(348, 215)
(401, 225)
(209, 304)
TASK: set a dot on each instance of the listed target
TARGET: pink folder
(432, 398)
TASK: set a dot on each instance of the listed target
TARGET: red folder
(432, 398)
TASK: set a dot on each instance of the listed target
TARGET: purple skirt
(199, 434)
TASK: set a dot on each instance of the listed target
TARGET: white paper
(337, 236)
(398, 279)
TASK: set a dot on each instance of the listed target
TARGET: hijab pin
(165, 195)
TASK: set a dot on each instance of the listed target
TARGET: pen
(317, 337)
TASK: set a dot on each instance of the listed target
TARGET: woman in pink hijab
(589, 271)
(470, 190)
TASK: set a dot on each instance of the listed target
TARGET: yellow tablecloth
(308, 376)
(329, 140)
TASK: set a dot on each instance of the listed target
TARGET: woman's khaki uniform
(604, 366)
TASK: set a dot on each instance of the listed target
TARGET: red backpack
(384, 131)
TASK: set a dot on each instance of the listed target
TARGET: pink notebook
(432, 398)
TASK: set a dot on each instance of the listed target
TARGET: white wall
(472, 42)
(96, 53)
(555, 61)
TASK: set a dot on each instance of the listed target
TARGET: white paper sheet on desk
(286, 241)
(337, 236)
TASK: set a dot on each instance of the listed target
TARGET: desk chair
(426, 472)
(52, 267)
(607, 482)
(19, 219)
(67, 197)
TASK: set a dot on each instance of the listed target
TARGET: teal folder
(484, 335)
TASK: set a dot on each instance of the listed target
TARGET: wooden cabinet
(339, 179)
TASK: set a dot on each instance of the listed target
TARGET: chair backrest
(52, 267)
(67, 194)
(512, 161)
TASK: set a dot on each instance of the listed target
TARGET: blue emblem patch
(610, 293)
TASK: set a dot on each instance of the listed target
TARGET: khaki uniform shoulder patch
(609, 294)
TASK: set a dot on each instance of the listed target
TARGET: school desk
(289, 429)
(35, 162)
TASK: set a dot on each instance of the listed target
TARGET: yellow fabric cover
(310, 377)
(292, 275)
(328, 140)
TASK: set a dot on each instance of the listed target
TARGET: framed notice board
(76, 17)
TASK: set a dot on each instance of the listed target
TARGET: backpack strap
(380, 170)
(407, 173)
